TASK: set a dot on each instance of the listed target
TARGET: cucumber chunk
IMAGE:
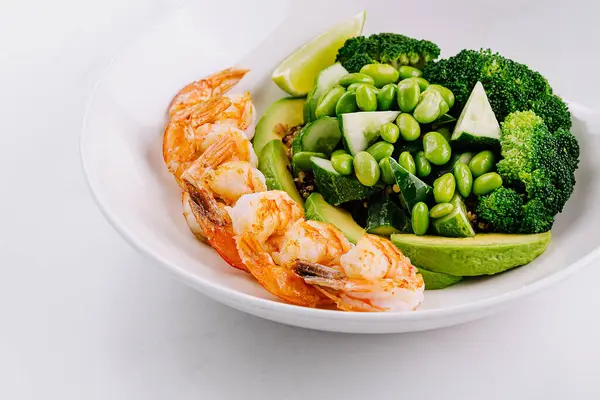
(386, 217)
(321, 136)
(361, 129)
(455, 224)
(326, 79)
(477, 124)
(412, 189)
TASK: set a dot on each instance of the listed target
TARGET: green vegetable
(455, 224)
(389, 48)
(502, 210)
(406, 71)
(380, 150)
(482, 162)
(420, 218)
(412, 189)
(361, 129)
(274, 163)
(443, 188)
(274, 123)
(346, 103)
(437, 280)
(390, 132)
(387, 175)
(441, 210)
(422, 165)
(431, 105)
(407, 162)
(387, 97)
(354, 86)
(385, 217)
(486, 183)
(356, 77)
(465, 158)
(366, 168)
(446, 93)
(327, 103)
(301, 160)
(445, 132)
(382, 74)
(338, 152)
(510, 86)
(319, 210)
(410, 129)
(408, 95)
(326, 79)
(366, 99)
(336, 188)
(464, 179)
(321, 136)
(436, 147)
(477, 124)
(423, 84)
(343, 163)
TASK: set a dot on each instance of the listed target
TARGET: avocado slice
(483, 254)
(274, 164)
(276, 120)
(455, 224)
(437, 280)
(318, 209)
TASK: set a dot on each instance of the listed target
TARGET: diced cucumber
(277, 119)
(326, 79)
(321, 136)
(274, 164)
(412, 189)
(386, 217)
(336, 188)
(477, 124)
(455, 224)
(319, 210)
(361, 129)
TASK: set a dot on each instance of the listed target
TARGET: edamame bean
(481, 163)
(407, 162)
(429, 107)
(423, 166)
(340, 151)
(342, 163)
(444, 188)
(486, 183)
(355, 86)
(464, 179)
(386, 97)
(387, 175)
(381, 150)
(346, 103)
(407, 71)
(410, 130)
(441, 210)
(366, 168)
(445, 132)
(390, 132)
(355, 77)
(408, 95)
(420, 218)
(382, 74)
(445, 92)
(465, 157)
(366, 99)
(437, 149)
(301, 159)
(328, 101)
(423, 83)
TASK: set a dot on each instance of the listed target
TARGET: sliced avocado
(455, 224)
(386, 217)
(277, 119)
(319, 210)
(274, 164)
(301, 161)
(412, 189)
(336, 188)
(477, 124)
(437, 280)
(483, 254)
(327, 78)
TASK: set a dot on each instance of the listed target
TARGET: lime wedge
(296, 74)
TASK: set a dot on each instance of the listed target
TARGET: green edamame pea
(366, 99)
(382, 74)
(301, 159)
(366, 168)
(386, 97)
(422, 82)
(445, 92)
(422, 164)
(407, 162)
(381, 150)
(441, 210)
(355, 86)
(408, 95)
(445, 132)
(342, 163)
(390, 132)
(410, 129)
(481, 163)
(406, 71)
(328, 101)
(464, 179)
(346, 103)
(430, 107)
(436, 147)
(355, 77)
(340, 151)
(387, 175)
(465, 157)
(420, 218)
(486, 183)
(443, 188)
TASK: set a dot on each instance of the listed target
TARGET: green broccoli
(502, 210)
(389, 48)
(509, 85)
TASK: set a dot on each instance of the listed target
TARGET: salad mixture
(388, 171)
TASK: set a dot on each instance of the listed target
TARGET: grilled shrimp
(373, 276)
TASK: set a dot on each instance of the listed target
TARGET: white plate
(121, 151)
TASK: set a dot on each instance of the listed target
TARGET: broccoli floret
(510, 86)
(390, 48)
(502, 210)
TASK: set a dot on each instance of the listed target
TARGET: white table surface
(83, 316)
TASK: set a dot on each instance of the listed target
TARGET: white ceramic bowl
(122, 132)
